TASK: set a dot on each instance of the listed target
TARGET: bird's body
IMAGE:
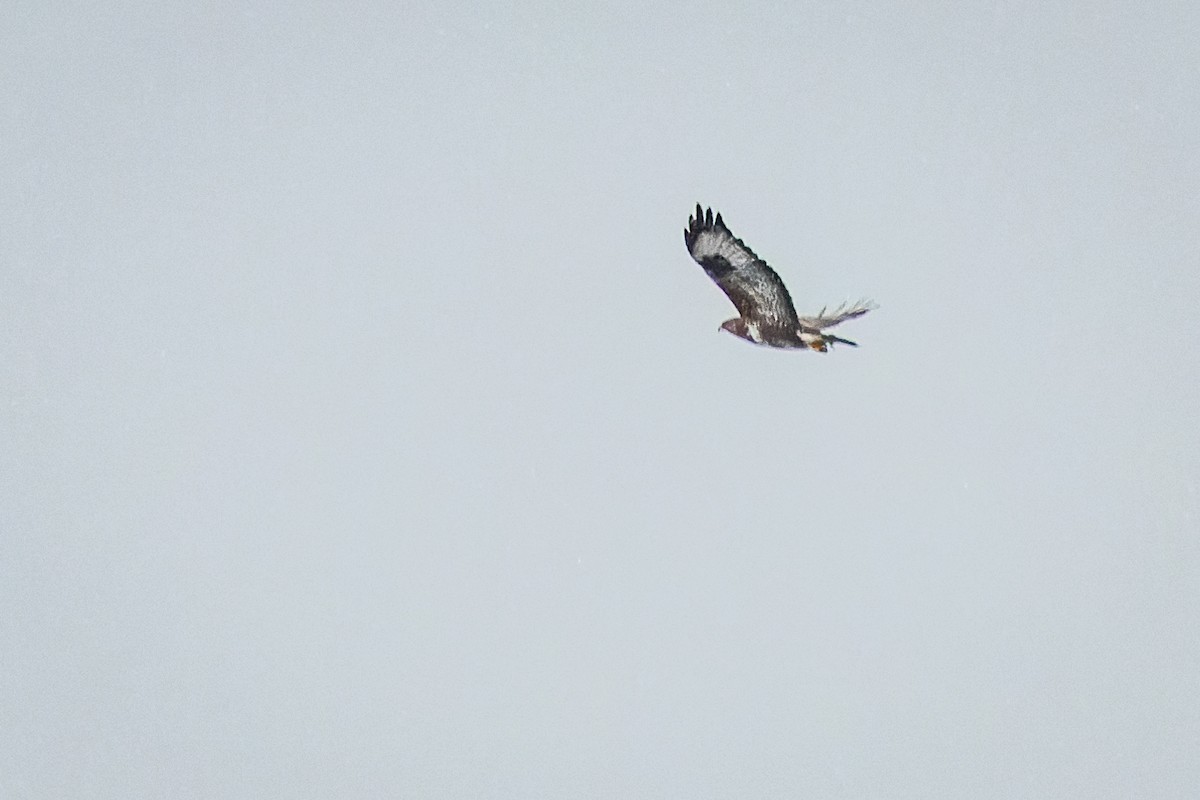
(766, 315)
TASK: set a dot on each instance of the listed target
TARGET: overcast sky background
(367, 432)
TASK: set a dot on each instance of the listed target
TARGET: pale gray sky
(366, 430)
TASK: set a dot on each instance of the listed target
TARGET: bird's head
(735, 326)
(738, 327)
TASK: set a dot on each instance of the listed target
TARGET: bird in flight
(766, 315)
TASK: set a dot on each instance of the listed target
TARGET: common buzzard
(767, 316)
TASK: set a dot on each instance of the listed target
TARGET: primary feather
(839, 315)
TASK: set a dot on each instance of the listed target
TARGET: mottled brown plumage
(766, 314)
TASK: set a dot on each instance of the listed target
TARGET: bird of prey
(766, 314)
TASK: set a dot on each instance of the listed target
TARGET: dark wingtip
(704, 219)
